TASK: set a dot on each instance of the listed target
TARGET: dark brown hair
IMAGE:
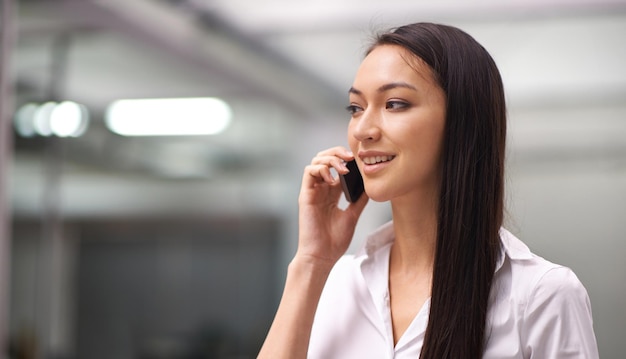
(472, 187)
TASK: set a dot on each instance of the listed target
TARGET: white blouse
(537, 309)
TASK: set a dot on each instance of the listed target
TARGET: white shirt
(537, 309)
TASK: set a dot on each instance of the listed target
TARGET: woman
(443, 279)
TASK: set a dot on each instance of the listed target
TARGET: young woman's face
(396, 130)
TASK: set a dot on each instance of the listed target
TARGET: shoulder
(536, 278)
(557, 319)
(521, 271)
(558, 283)
(552, 305)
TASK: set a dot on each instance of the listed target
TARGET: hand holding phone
(352, 182)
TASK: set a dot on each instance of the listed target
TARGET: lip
(369, 169)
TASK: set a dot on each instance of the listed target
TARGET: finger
(318, 184)
(331, 161)
(318, 173)
(335, 157)
(338, 151)
(356, 208)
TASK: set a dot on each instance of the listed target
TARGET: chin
(377, 196)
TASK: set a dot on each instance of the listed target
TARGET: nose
(366, 127)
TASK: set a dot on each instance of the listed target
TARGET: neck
(415, 226)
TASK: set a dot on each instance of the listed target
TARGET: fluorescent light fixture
(68, 119)
(168, 116)
(24, 120)
(41, 119)
(65, 119)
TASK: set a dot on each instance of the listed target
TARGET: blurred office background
(176, 246)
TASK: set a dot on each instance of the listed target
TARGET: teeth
(377, 159)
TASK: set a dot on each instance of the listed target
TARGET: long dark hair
(472, 186)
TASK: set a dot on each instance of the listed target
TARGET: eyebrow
(385, 87)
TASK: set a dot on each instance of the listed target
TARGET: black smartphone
(352, 182)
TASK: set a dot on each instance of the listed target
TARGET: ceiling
(285, 67)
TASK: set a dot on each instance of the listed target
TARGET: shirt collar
(381, 237)
(510, 246)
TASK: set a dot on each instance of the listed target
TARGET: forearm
(289, 334)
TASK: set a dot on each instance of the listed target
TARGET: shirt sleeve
(557, 318)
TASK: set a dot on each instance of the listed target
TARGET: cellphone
(352, 182)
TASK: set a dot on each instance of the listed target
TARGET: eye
(353, 109)
(396, 105)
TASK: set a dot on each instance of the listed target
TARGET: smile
(377, 159)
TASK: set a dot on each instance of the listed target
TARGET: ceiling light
(68, 119)
(168, 117)
(65, 119)
(41, 119)
(24, 120)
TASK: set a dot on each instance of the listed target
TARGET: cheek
(434, 150)
(438, 135)
(424, 140)
(352, 142)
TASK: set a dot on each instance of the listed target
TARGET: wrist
(311, 265)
